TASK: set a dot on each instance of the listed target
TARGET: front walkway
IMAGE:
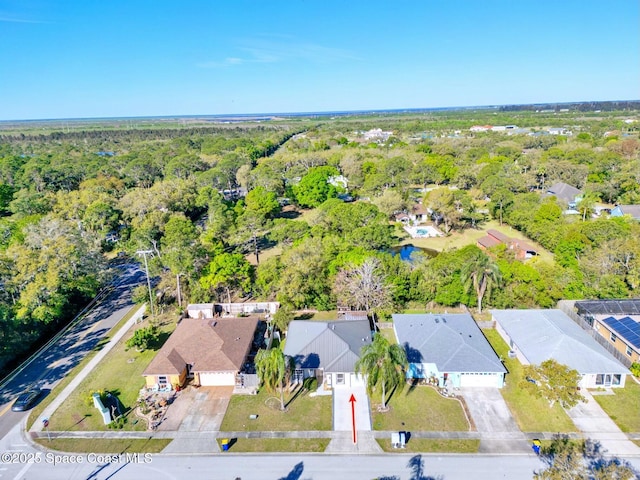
(499, 432)
(595, 424)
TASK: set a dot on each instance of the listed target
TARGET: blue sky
(111, 58)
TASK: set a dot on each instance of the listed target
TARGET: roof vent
(333, 327)
(437, 320)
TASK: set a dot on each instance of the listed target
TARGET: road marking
(23, 471)
(5, 409)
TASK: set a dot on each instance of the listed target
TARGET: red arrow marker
(352, 401)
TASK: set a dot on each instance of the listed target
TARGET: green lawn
(120, 372)
(38, 409)
(420, 408)
(312, 445)
(624, 406)
(389, 334)
(471, 236)
(302, 413)
(532, 413)
(106, 445)
(432, 445)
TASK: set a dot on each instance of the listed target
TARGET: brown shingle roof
(210, 345)
(488, 241)
(501, 237)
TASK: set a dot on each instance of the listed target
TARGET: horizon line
(315, 113)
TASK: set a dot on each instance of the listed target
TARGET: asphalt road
(56, 361)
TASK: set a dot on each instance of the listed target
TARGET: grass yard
(389, 334)
(432, 445)
(38, 409)
(471, 236)
(420, 409)
(624, 406)
(105, 445)
(302, 413)
(531, 413)
(270, 445)
(120, 373)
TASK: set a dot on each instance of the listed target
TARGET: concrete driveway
(197, 410)
(343, 422)
(595, 424)
(499, 432)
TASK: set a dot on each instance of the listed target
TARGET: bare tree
(363, 287)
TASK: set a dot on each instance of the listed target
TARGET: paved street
(55, 361)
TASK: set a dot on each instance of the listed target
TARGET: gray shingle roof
(544, 334)
(333, 346)
(564, 191)
(452, 341)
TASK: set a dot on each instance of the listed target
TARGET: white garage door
(217, 379)
(478, 380)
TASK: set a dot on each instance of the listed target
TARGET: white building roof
(550, 334)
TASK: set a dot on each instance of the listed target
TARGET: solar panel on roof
(626, 328)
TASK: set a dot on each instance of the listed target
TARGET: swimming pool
(423, 231)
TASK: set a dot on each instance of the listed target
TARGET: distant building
(521, 249)
(621, 210)
(566, 193)
(376, 134)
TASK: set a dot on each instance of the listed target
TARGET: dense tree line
(70, 201)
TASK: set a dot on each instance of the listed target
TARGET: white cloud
(281, 48)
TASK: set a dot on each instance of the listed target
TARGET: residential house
(211, 310)
(419, 214)
(538, 335)
(621, 210)
(448, 349)
(327, 351)
(377, 134)
(210, 351)
(566, 193)
(616, 321)
(521, 249)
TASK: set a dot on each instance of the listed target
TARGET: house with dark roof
(538, 335)
(210, 351)
(448, 349)
(621, 210)
(327, 351)
(566, 193)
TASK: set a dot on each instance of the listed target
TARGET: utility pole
(144, 253)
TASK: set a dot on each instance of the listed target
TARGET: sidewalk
(68, 390)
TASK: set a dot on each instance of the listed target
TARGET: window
(613, 337)
(599, 379)
(339, 378)
(628, 350)
(616, 379)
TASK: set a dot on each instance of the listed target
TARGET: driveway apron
(343, 422)
(498, 431)
(595, 424)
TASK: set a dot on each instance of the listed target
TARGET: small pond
(406, 251)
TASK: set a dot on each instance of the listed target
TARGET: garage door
(478, 380)
(217, 379)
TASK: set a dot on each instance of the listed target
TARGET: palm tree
(382, 364)
(273, 368)
(483, 273)
(587, 204)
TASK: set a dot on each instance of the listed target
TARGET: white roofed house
(449, 349)
(539, 335)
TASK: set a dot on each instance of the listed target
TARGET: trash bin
(536, 446)
(225, 444)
